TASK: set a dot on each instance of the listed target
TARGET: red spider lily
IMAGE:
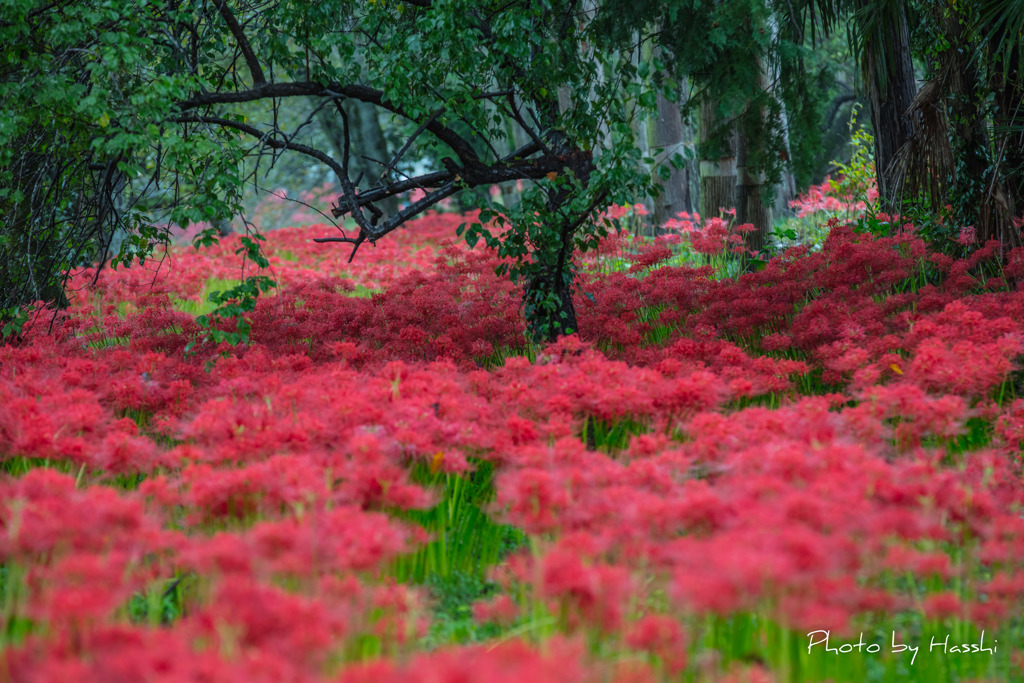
(274, 477)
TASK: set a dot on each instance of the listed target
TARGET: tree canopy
(127, 114)
(122, 117)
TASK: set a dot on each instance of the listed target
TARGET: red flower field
(807, 472)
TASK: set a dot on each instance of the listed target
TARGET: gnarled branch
(243, 42)
(459, 145)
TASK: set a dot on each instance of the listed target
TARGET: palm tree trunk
(891, 89)
(968, 133)
(1006, 187)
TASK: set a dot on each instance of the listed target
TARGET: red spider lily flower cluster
(271, 489)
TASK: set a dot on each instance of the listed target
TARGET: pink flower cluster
(825, 198)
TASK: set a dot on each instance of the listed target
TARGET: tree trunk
(548, 297)
(1005, 194)
(670, 135)
(550, 312)
(891, 89)
(717, 152)
(785, 189)
(967, 130)
(550, 276)
(750, 205)
(642, 134)
(550, 281)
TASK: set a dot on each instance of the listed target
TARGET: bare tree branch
(395, 221)
(355, 241)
